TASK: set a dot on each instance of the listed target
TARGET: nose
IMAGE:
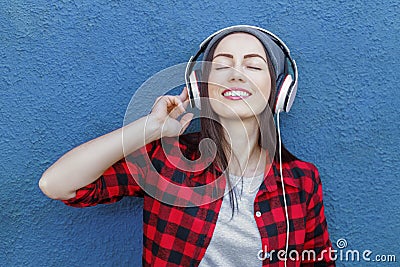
(236, 74)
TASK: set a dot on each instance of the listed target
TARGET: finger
(184, 95)
(176, 108)
(185, 121)
(173, 101)
(179, 105)
(163, 104)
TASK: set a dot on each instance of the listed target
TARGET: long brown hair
(212, 129)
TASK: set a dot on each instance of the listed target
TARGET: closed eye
(221, 68)
(253, 68)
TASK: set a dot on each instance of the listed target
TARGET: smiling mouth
(236, 93)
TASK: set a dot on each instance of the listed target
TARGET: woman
(261, 213)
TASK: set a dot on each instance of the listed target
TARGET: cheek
(264, 87)
(263, 94)
(214, 80)
(212, 90)
(214, 86)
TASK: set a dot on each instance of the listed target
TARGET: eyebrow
(245, 56)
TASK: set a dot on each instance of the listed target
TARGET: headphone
(286, 84)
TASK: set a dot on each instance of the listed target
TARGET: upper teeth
(236, 93)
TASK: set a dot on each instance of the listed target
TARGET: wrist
(152, 128)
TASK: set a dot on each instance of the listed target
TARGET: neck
(242, 137)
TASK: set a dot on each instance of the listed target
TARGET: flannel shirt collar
(271, 172)
(272, 176)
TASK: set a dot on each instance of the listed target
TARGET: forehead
(243, 43)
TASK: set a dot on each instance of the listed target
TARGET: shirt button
(258, 214)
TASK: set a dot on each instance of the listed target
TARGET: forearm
(87, 162)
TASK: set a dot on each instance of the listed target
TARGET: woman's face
(239, 83)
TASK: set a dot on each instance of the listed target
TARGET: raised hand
(166, 111)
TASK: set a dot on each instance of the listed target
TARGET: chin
(237, 113)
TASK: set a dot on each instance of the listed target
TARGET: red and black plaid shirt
(179, 220)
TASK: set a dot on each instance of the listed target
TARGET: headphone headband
(270, 34)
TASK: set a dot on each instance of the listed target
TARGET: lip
(236, 97)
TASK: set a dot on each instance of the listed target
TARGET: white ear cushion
(280, 101)
(195, 89)
(291, 97)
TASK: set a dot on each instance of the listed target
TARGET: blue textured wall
(68, 70)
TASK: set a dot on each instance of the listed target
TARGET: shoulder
(301, 174)
(178, 152)
(187, 143)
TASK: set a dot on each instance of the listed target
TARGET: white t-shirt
(236, 241)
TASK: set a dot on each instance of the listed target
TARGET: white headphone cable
(283, 187)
